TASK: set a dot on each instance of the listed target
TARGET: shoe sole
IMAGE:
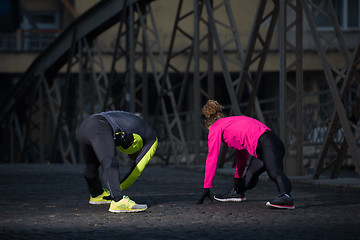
(127, 211)
(99, 203)
(231, 199)
(268, 204)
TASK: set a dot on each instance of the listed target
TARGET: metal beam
(291, 94)
(90, 24)
(256, 54)
(333, 75)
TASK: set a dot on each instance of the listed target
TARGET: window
(45, 20)
(353, 15)
(39, 29)
(347, 13)
(9, 16)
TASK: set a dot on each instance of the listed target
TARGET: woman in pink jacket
(247, 136)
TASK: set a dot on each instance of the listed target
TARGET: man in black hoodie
(99, 135)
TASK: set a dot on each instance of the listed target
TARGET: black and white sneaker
(283, 201)
(230, 196)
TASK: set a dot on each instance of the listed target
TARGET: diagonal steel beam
(334, 124)
(228, 80)
(332, 75)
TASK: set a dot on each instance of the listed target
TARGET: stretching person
(247, 136)
(99, 135)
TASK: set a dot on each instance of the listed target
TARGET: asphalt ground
(51, 202)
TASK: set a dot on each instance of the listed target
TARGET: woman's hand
(206, 193)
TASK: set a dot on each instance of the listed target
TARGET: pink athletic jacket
(239, 132)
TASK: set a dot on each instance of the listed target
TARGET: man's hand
(206, 193)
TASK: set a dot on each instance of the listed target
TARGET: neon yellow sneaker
(103, 198)
(126, 205)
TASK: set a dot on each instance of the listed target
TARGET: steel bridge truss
(346, 77)
(55, 104)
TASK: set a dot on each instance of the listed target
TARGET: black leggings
(270, 152)
(98, 148)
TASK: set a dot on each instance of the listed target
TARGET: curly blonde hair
(212, 111)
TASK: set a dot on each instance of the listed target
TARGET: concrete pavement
(51, 202)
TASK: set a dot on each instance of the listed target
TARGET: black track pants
(98, 148)
(270, 151)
